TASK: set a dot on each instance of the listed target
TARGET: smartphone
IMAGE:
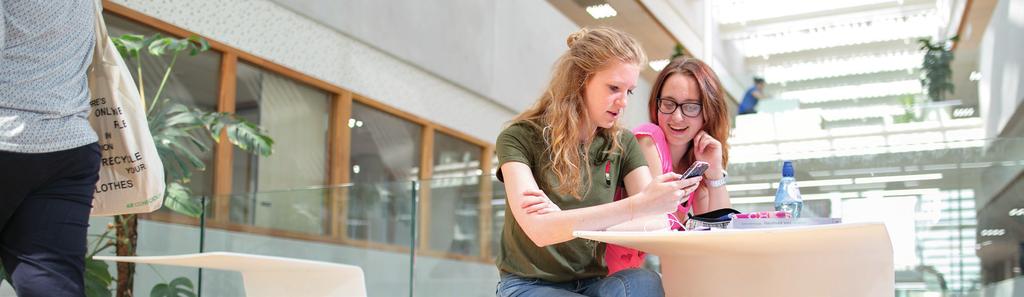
(696, 169)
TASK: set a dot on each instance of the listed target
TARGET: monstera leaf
(179, 287)
(97, 278)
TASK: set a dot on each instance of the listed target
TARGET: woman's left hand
(708, 149)
(535, 201)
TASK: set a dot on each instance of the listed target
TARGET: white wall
(499, 49)
(679, 19)
(269, 31)
(433, 59)
(1001, 89)
(1001, 63)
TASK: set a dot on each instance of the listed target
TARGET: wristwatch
(715, 183)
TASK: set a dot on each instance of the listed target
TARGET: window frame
(339, 142)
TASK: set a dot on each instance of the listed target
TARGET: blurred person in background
(752, 96)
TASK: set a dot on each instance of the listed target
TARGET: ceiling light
(795, 39)
(768, 199)
(856, 113)
(731, 12)
(829, 196)
(748, 187)
(915, 141)
(869, 90)
(963, 112)
(896, 178)
(751, 200)
(759, 138)
(965, 134)
(993, 232)
(822, 182)
(857, 143)
(1017, 212)
(907, 192)
(658, 65)
(842, 66)
(601, 11)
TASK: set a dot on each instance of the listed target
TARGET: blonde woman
(562, 160)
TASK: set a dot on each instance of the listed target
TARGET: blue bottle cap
(787, 169)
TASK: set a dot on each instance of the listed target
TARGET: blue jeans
(636, 282)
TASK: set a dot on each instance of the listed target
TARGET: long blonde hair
(559, 109)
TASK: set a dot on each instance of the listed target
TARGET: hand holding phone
(696, 169)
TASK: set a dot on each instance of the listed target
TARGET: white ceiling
(821, 45)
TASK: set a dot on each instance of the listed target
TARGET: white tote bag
(131, 174)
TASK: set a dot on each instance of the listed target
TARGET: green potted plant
(179, 131)
(936, 74)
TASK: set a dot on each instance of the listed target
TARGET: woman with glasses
(561, 162)
(689, 122)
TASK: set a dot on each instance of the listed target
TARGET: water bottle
(787, 198)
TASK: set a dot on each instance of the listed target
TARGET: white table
(836, 260)
(266, 276)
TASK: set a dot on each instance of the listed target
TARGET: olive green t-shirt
(578, 258)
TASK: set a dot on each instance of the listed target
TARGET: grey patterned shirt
(45, 48)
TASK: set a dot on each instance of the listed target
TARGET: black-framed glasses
(667, 106)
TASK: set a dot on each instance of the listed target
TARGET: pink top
(620, 258)
(661, 143)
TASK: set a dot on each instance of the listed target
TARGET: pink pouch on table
(762, 215)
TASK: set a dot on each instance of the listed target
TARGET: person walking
(49, 156)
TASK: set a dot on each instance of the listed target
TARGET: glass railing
(369, 225)
(175, 235)
(945, 205)
(955, 215)
(366, 225)
(454, 255)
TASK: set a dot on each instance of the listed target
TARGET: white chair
(841, 260)
(266, 276)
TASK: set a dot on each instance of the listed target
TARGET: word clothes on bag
(131, 174)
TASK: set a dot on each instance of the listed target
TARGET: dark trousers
(45, 201)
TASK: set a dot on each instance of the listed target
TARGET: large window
(296, 117)
(193, 83)
(385, 160)
(455, 196)
(285, 192)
